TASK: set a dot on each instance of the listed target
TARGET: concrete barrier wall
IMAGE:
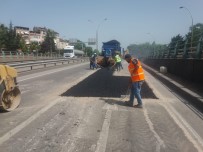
(190, 69)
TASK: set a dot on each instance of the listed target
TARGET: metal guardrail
(180, 51)
(31, 65)
(8, 56)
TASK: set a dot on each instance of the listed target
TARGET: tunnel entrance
(104, 84)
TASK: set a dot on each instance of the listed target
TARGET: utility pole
(182, 7)
(97, 34)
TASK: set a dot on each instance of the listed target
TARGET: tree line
(8, 38)
(192, 37)
(11, 41)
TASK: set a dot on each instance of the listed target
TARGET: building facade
(24, 32)
(38, 35)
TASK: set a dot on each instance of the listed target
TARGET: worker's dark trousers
(135, 92)
(118, 66)
(93, 65)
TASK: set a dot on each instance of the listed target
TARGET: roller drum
(10, 100)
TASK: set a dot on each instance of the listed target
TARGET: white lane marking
(23, 92)
(189, 132)
(112, 107)
(20, 79)
(12, 132)
(101, 144)
(18, 128)
(160, 142)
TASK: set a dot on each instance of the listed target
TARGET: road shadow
(114, 102)
(104, 84)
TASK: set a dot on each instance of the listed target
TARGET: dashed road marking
(190, 133)
(160, 142)
(101, 144)
(12, 132)
(56, 100)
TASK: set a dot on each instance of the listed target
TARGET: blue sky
(128, 21)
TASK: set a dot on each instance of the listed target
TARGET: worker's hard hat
(127, 56)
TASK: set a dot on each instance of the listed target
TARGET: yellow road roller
(10, 95)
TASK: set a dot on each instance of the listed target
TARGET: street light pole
(192, 22)
(97, 32)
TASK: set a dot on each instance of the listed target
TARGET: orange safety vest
(138, 74)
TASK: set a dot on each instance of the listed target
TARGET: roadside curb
(191, 97)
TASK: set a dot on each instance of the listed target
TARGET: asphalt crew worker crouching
(93, 61)
(136, 80)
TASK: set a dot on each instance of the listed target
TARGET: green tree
(176, 39)
(34, 46)
(23, 45)
(12, 40)
(48, 45)
(96, 51)
(79, 45)
(197, 33)
(3, 36)
(88, 51)
(145, 49)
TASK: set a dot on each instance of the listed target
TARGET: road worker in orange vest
(136, 80)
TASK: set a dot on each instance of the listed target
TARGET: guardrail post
(3, 53)
(162, 55)
(17, 55)
(175, 51)
(23, 56)
(169, 52)
(185, 51)
(11, 56)
(199, 48)
(20, 54)
(155, 54)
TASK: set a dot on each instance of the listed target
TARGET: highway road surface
(72, 108)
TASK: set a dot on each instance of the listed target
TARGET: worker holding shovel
(136, 80)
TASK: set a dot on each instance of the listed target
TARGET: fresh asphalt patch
(103, 83)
